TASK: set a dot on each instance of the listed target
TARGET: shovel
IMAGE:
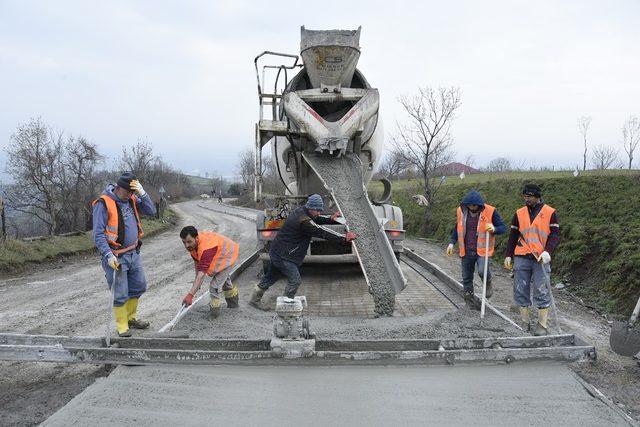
(169, 326)
(554, 310)
(484, 277)
(624, 339)
(107, 332)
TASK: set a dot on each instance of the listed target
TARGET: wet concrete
(532, 394)
(429, 314)
(343, 177)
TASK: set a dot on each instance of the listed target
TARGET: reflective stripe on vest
(226, 255)
(485, 218)
(112, 230)
(533, 235)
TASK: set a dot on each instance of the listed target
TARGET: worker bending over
(213, 255)
(117, 233)
(288, 249)
(535, 233)
(474, 219)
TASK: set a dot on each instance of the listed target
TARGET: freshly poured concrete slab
(527, 394)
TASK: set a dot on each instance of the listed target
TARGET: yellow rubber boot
(231, 296)
(215, 307)
(132, 310)
(525, 316)
(122, 323)
(542, 328)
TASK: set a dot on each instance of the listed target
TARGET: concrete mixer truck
(322, 120)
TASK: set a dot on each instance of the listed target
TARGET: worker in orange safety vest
(214, 255)
(117, 231)
(474, 218)
(535, 233)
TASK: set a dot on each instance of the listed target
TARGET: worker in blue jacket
(474, 219)
(117, 233)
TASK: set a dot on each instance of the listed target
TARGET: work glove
(335, 216)
(507, 263)
(188, 300)
(490, 228)
(349, 236)
(450, 249)
(545, 257)
(113, 262)
(137, 187)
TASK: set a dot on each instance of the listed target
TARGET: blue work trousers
(129, 279)
(278, 268)
(469, 262)
(530, 277)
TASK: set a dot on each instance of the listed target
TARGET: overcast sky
(180, 73)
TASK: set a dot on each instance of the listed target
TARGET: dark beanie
(125, 180)
(532, 190)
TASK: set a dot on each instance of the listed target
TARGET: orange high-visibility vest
(226, 255)
(485, 218)
(533, 235)
(114, 230)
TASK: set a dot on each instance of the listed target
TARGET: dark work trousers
(469, 262)
(278, 268)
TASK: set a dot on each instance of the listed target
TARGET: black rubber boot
(469, 301)
(489, 289)
(232, 302)
(256, 299)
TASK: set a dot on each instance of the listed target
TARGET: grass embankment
(15, 255)
(600, 226)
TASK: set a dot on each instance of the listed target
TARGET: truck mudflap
(342, 177)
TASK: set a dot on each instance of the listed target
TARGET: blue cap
(315, 202)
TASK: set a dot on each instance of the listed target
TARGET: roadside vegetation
(17, 254)
(598, 255)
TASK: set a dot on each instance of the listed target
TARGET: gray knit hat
(315, 202)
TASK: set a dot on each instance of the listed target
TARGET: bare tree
(424, 139)
(393, 165)
(138, 159)
(631, 137)
(500, 164)
(81, 180)
(584, 123)
(604, 157)
(246, 167)
(35, 164)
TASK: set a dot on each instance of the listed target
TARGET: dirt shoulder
(615, 376)
(20, 256)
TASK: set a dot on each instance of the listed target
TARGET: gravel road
(71, 299)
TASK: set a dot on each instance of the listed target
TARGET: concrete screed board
(518, 394)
